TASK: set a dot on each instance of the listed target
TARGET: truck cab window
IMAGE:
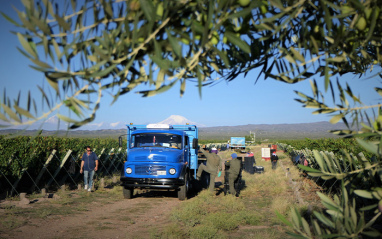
(156, 140)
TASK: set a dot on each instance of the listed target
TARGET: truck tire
(182, 193)
(128, 193)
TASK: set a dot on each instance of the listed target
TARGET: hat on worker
(234, 155)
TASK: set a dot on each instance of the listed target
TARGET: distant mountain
(103, 126)
(54, 123)
(273, 131)
(260, 131)
(179, 120)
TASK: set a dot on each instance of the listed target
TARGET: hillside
(262, 131)
(273, 131)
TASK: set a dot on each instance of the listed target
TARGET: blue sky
(238, 102)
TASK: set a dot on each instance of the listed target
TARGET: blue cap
(234, 155)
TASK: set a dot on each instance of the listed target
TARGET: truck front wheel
(182, 193)
(128, 193)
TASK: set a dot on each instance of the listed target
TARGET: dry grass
(209, 216)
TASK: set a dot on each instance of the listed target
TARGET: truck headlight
(172, 171)
(129, 170)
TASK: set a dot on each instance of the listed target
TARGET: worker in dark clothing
(274, 159)
(233, 172)
(212, 167)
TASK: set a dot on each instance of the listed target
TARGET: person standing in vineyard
(214, 164)
(274, 159)
(89, 165)
(233, 172)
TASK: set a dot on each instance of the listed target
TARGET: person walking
(233, 172)
(89, 165)
(274, 159)
(212, 167)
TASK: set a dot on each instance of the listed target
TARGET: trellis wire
(110, 163)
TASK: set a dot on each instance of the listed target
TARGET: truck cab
(160, 157)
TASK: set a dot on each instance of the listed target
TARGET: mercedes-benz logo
(149, 169)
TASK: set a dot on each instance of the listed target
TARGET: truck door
(186, 149)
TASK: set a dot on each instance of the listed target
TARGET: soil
(140, 217)
(135, 218)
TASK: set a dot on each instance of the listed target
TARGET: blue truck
(160, 157)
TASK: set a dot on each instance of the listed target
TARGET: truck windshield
(156, 140)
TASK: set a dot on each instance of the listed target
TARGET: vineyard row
(29, 164)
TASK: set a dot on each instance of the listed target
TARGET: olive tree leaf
(369, 146)
(23, 112)
(27, 46)
(3, 117)
(237, 41)
(364, 193)
(10, 19)
(325, 220)
(10, 112)
(148, 9)
(66, 119)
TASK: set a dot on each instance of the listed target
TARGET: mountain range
(259, 131)
(273, 131)
(53, 124)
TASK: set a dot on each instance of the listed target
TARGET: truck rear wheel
(128, 193)
(182, 193)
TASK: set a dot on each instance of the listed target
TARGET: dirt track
(137, 218)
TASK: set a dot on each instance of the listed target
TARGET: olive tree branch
(56, 107)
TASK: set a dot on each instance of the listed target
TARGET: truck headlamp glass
(129, 170)
(172, 171)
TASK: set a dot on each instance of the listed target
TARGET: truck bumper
(152, 183)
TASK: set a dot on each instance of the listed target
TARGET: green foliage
(328, 144)
(355, 181)
(248, 138)
(31, 152)
(115, 46)
(341, 219)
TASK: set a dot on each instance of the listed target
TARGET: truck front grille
(149, 170)
(155, 158)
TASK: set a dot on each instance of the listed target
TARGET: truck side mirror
(195, 143)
